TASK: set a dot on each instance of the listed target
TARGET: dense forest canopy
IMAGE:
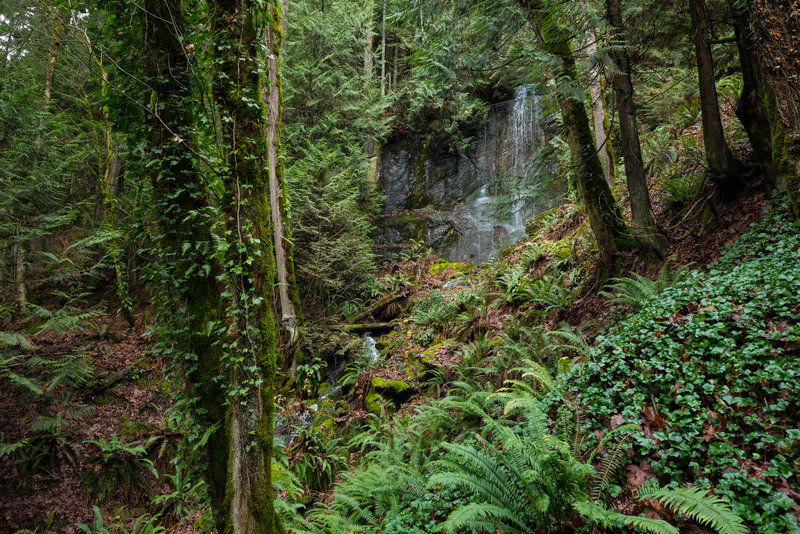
(235, 292)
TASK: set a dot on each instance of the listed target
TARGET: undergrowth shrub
(121, 466)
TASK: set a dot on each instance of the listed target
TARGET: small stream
(289, 426)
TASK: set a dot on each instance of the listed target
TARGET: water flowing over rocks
(469, 204)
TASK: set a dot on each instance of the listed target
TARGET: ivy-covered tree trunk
(644, 227)
(190, 296)
(605, 216)
(241, 28)
(724, 168)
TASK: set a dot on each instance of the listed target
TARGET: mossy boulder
(341, 408)
(375, 403)
(324, 426)
(455, 266)
(398, 391)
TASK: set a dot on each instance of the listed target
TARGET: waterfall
(473, 202)
(521, 126)
(371, 348)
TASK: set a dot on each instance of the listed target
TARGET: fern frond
(484, 517)
(25, 382)
(610, 463)
(10, 448)
(13, 339)
(597, 514)
(699, 505)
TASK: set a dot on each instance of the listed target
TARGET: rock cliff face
(469, 204)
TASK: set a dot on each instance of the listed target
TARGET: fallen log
(377, 306)
(96, 387)
(362, 328)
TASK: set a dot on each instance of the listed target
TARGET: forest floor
(60, 469)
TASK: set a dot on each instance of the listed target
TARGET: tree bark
(605, 217)
(289, 299)
(55, 44)
(240, 27)
(601, 138)
(750, 109)
(724, 168)
(644, 227)
(18, 258)
(191, 297)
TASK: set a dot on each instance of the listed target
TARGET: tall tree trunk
(55, 44)
(605, 217)
(383, 50)
(241, 26)
(18, 259)
(369, 38)
(289, 299)
(644, 227)
(190, 299)
(601, 138)
(724, 168)
(776, 32)
(750, 109)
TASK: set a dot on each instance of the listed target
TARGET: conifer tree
(644, 226)
(605, 216)
(724, 168)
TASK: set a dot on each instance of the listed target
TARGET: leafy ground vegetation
(629, 366)
(487, 409)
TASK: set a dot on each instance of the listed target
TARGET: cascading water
(371, 348)
(470, 204)
(495, 213)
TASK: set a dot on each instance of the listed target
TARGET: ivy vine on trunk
(241, 29)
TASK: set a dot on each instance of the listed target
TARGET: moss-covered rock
(375, 403)
(340, 408)
(455, 266)
(396, 391)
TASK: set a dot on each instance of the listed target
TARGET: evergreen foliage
(335, 118)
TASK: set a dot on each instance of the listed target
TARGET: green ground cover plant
(709, 368)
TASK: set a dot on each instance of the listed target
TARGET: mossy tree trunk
(605, 216)
(241, 28)
(644, 227)
(751, 109)
(601, 138)
(190, 297)
(775, 27)
(723, 167)
(288, 295)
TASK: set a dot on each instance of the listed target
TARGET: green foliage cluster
(334, 117)
(635, 292)
(709, 367)
(123, 465)
(477, 461)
